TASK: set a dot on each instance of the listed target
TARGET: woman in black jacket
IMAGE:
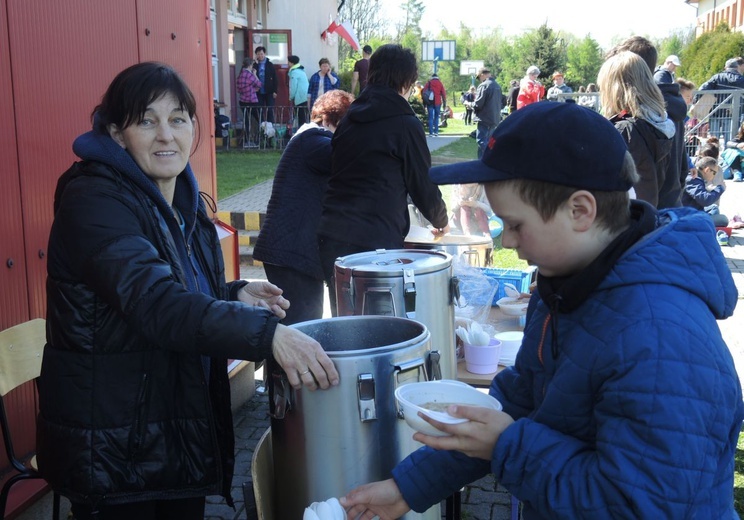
(134, 398)
(287, 244)
(380, 156)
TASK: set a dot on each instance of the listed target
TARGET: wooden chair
(262, 473)
(21, 350)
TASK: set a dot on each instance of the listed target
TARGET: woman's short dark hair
(134, 89)
(394, 66)
(294, 60)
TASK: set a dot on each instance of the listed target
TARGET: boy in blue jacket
(624, 401)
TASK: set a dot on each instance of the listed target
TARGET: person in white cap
(665, 73)
(530, 90)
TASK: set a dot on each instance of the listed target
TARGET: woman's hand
(303, 359)
(266, 295)
(438, 232)
(381, 499)
(475, 438)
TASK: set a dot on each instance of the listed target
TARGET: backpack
(427, 95)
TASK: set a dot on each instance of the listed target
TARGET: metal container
(473, 250)
(327, 442)
(406, 283)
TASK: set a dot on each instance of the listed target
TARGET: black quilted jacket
(127, 412)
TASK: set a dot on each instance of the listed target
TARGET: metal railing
(716, 113)
(266, 128)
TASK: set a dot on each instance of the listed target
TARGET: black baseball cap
(561, 143)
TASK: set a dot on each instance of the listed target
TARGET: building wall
(56, 60)
(307, 20)
(713, 12)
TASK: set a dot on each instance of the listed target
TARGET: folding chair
(21, 350)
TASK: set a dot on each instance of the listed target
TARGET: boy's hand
(476, 438)
(381, 499)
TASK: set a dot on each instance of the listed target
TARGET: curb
(246, 221)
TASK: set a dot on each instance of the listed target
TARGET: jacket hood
(378, 102)
(663, 124)
(681, 251)
(98, 147)
(675, 103)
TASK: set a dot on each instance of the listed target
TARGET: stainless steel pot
(406, 283)
(327, 442)
(475, 251)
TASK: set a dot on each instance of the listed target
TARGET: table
(502, 323)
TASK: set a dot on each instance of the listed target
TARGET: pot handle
(469, 255)
(366, 395)
(418, 365)
(282, 395)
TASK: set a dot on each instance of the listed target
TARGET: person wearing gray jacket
(487, 108)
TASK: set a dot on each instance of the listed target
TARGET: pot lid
(391, 262)
(450, 240)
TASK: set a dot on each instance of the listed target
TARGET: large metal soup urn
(327, 442)
(409, 283)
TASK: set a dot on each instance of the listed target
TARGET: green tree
(584, 60)
(707, 55)
(542, 47)
(364, 16)
(413, 10)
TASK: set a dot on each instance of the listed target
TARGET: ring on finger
(305, 372)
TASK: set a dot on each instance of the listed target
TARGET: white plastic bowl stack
(511, 341)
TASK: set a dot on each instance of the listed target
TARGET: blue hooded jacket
(638, 413)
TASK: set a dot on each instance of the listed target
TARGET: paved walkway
(481, 500)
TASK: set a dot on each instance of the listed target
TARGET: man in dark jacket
(730, 78)
(487, 108)
(379, 157)
(264, 69)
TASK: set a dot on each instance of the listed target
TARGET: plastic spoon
(478, 335)
(462, 333)
(511, 291)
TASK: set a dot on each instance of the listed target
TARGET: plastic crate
(521, 279)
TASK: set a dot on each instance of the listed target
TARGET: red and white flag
(345, 31)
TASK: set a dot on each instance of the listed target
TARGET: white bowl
(513, 306)
(412, 396)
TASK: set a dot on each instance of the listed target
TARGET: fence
(267, 128)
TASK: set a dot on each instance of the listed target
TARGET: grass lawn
(238, 170)
(739, 477)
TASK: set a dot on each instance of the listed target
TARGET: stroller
(222, 127)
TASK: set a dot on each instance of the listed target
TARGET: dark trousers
(468, 116)
(301, 110)
(330, 250)
(251, 112)
(305, 293)
(177, 509)
(268, 101)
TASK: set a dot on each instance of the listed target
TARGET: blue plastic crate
(521, 279)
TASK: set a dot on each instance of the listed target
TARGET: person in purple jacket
(624, 401)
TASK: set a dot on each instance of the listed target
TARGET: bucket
(327, 442)
(407, 283)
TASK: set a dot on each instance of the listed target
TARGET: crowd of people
(618, 405)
